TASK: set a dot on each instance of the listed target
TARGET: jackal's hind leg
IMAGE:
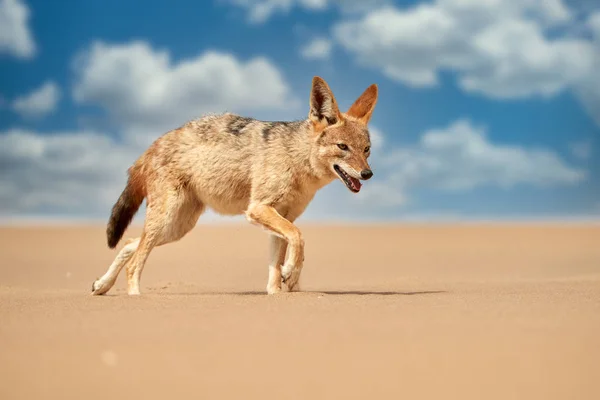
(107, 281)
(168, 219)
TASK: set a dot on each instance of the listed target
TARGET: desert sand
(387, 312)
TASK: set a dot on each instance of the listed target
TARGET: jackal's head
(342, 140)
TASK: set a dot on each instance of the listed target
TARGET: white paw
(295, 288)
(100, 287)
(135, 291)
(290, 276)
(272, 289)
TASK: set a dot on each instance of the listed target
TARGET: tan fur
(268, 171)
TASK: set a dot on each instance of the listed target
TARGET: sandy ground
(425, 312)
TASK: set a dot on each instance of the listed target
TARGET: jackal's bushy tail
(125, 208)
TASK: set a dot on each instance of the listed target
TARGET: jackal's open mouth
(352, 183)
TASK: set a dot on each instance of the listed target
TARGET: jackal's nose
(366, 174)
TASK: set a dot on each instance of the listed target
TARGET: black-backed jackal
(268, 171)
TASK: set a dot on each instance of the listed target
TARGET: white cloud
(146, 93)
(70, 172)
(582, 149)
(377, 139)
(15, 37)
(498, 48)
(589, 95)
(317, 49)
(593, 23)
(461, 157)
(38, 103)
(259, 11)
(588, 87)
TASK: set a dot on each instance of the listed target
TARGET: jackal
(268, 171)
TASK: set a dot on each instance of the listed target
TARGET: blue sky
(487, 108)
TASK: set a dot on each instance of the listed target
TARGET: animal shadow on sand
(315, 292)
(382, 293)
(154, 291)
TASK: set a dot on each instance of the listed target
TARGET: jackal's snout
(366, 173)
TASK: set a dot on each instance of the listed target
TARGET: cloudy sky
(487, 108)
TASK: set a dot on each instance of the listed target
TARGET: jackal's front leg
(269, 218)
(277, 249)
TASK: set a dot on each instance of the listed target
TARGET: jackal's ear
(323, 106)
(363, 107)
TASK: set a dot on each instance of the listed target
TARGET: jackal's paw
(273, 289)
(100, 287)
(133, 291)
(290, 276)
(295, 288)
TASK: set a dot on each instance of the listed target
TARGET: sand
(425, 312)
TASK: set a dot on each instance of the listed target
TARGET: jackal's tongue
(356, 185)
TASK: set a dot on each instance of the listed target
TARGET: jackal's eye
(367, 149)
(342, 146)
